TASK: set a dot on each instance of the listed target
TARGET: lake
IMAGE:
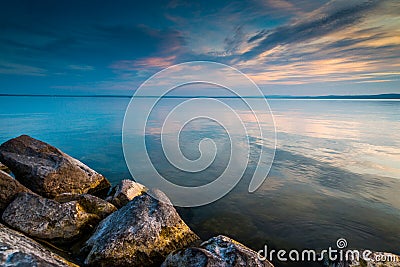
(336, 172)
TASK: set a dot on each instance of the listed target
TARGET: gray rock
(220, 251)
(19, 250)
(48, 171)
(9, 188)
(90, 204)
(124, 192)
(142, 233)
(47, 219)
(193, 257)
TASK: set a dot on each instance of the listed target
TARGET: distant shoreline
(328, 97)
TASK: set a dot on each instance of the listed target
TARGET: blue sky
(287, 47)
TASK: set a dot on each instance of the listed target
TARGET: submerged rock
(48, 171)
(124, 192)
(142, 233)
(9, 188)
(19, 250)
(47, 219)
(220, 251)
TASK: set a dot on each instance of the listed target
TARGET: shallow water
(336, 171)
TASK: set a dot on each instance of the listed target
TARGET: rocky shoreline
(56, 211)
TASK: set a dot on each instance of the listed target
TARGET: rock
(124, 192)
(47, 219)
(96, 205)
(48, 171)
(66, 197)
(90, 204)
(379, 259)
(220, 251)
(141, 233)
(4, 168)
(19, 250)
(9, 188)
(193, 257)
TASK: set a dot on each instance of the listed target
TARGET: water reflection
(336, 171)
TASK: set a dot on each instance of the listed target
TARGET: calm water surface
(336, 171)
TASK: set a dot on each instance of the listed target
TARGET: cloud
(319, 23)
(321, 70)
(21, 69)
(283, 6)
(346, 41)
(144, 63)
(281, 42)
(323, 61)
(167, 46)
(233, 43)
(141, 39)
(81, 67)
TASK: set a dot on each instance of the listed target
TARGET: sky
(287, 47)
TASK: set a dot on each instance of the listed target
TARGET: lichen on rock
(4, 168)
(219, 251)
(91, 204)
(17, 249)
(125, 191)
(9, 189)
(47, 219)
(142, 233)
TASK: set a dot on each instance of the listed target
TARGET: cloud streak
(316, 25)
(20, 69)
(140, 64)
(354, 42)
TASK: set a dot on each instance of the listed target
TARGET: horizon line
(372, 96)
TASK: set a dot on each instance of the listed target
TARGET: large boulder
(142, 233)
(48, 171)
(124, 192)
(220, 251)
(9, 188)
(19, 250)
(47, 219)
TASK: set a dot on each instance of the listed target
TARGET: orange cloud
(366, 51)
(139, 64)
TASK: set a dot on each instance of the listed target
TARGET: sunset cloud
(150, 62)
(346, 45)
